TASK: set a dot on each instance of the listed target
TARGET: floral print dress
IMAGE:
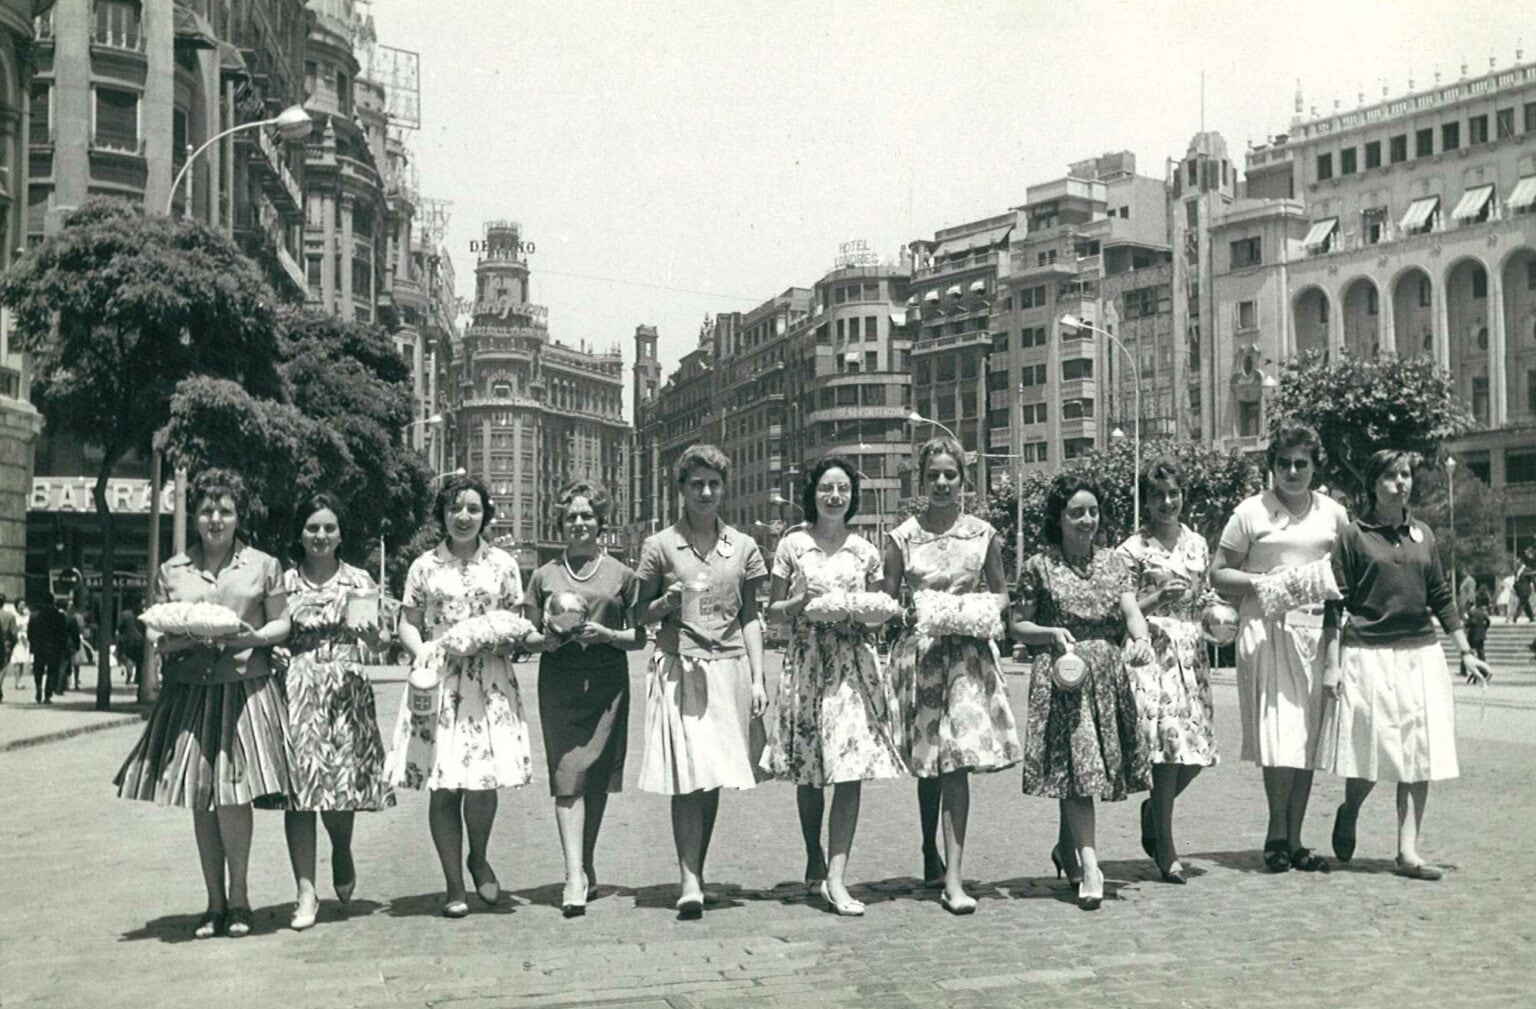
(479, 737)
(955, 713)
(836, 711)
(338, 755)
(1173, 694)
(1082, 742)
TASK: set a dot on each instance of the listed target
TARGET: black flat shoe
(238, 922)
(1277, 855)
(1304, 860)
(1343, 841)
(690, 909)
(208, 926)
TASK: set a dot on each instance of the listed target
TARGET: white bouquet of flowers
(477, 634)
(827, 608)
(195, 620)
(971, 615)
(1301, 585)
(872, 608)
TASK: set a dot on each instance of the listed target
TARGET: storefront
(62, 534)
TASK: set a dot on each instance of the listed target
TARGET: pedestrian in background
(1390, 715)
(1168, 561)
(1477, 622)
(955, 714)
(215, 742)
(1082, 740)
(478, 736)
(699, 578)
(583, 679)
(835, 708)
(130, 643)
(82, 647)
(1523, 587)
(10, 631)
(1466, 593)
(333, 727)
(1279, 670)
(48, 634)
(21, 655)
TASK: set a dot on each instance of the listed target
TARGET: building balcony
(952, 341)
(126, 38)
(983, 260)
(276, 179)
(128, 147)
(1078, 427)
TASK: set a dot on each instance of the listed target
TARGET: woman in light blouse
(215, 742)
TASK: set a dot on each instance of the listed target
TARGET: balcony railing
(118, 145)
(129, 39)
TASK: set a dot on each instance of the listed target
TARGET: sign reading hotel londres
(125, 496)
(856, 253)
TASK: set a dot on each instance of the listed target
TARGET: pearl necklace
(565, 559)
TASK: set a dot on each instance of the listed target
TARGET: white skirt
(1396, 720)
(698, 725)
(1280, 689)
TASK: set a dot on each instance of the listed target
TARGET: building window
(1397, 148)
(1425, 295)
(1530, 274)
(1077, 409)
(1325, 166)
(1032, 297)
(923, 373)
(1530, 117)
(1246, 252)
(1372, 305)
(1076, 368)
(312, 274)
(1530, 391)
(1347, 165)
(1479, 282)
(1145, 302)
(117, 120)
(41, 127)
(117, 24)
(1373, 224)
(1477, 130)
(1480, 400)
(871, 328)
(871, 360)
(1450, 136)
(1424, 142)
(1373, 154)
(1247, 315)
(1322, 311)
(1504, 123)
(1247, 420)
(343, 94)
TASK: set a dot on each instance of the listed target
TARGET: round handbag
(1068, 671)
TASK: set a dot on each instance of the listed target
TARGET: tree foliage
(116, 310)
(1215, 481)
(1361, 404)
(1477, 543)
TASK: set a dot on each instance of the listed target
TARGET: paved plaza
(98, 897)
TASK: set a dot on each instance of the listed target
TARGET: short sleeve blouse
(319, 612)
(447, 590)
(950, 561)
(733, 568)
(610, 593)
(1152, 564)
(1268, 537)
(246, 585)
(852, 568)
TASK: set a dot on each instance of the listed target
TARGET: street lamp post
(1450, 488)
(1073, 322)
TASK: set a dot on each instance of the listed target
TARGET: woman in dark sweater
(1389, 712)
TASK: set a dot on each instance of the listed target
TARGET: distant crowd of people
(1117, 701)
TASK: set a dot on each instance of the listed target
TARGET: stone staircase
(1507, 648)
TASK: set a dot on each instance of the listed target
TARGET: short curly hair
(941, 444)
(701, 455)
(1290, 434)
(813, 477)
(455, 485)
(1062, 489)
(314, 503)
(1159, 472)
(596, 494)
(219, 483)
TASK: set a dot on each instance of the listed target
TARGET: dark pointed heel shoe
(456, 909)
(1061, 867)
(1304, 860)
(209, 925)
(238, 922)
(1418, 870)
(933, 868)
(591, 874)
(488, 891)
(1277, 855)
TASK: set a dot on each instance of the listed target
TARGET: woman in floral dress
(835, 709)
(1173, 694)
(478, 741)
(338, 757)
(1081, 742)
(955, 714)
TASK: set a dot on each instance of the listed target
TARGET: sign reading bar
(125, 495)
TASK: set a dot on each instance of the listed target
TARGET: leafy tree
(1479, 533)
(1361, 404)
(1215, 481)
(116, 310)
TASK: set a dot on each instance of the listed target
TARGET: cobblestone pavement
(98, 896)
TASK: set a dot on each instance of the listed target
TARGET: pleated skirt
(206, 746)
(698, 725)
(1280, 689)
(1396, 720)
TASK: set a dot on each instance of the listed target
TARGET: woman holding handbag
(836, 711)
(699, 580)
(215, 742)
(583, 679)
(1077, 608)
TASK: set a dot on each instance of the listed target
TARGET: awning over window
(1472, 203)
(1524, 196)
(1419, 212)
(931, 296)
(978, 286)
(954, 292)
(1321, 232)
(899, 317)
(978, 240)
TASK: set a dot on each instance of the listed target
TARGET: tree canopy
(1361, 404)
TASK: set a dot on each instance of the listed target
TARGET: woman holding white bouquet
(1077, 608)
(836, 710)
(955, 717)
(462, 596)
(215, 742)
(333, 729)
(581, 604)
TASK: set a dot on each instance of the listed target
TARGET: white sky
(728, 148)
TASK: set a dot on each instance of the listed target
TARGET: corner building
(1402, 227)
(531, 413)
